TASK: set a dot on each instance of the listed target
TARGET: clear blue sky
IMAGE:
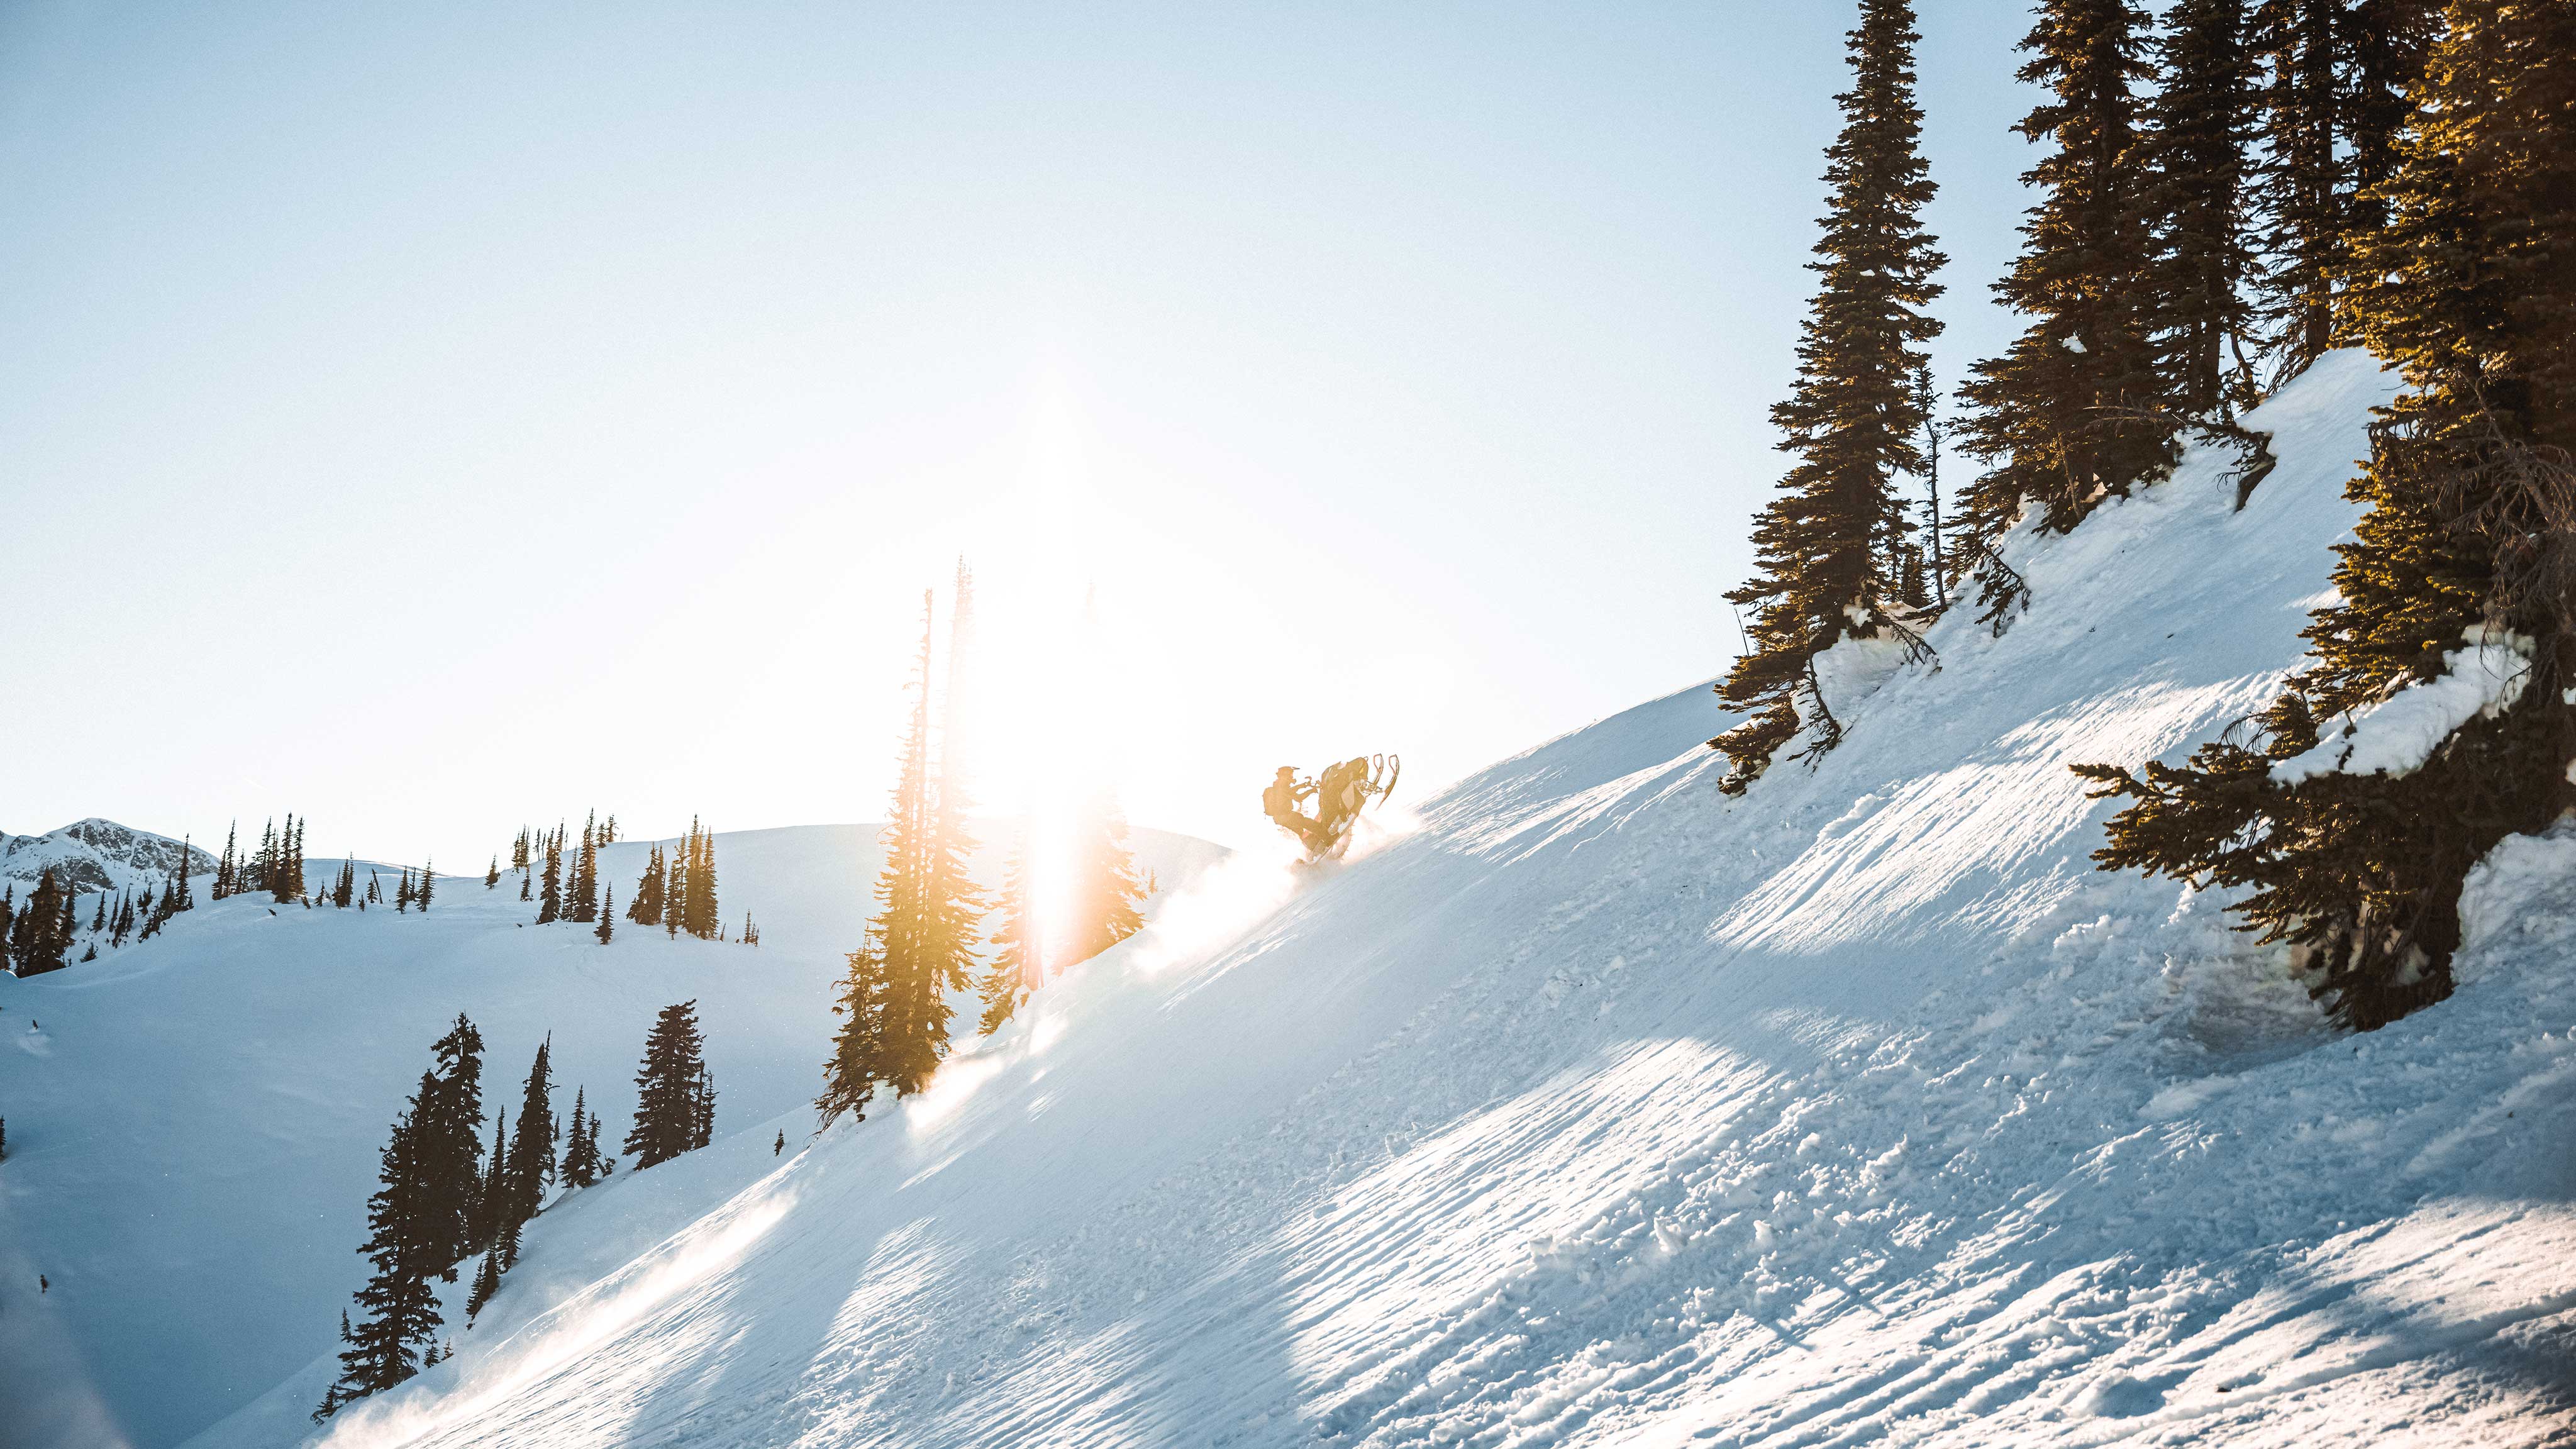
(428, 418)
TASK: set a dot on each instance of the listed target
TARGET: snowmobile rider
(1279, 802)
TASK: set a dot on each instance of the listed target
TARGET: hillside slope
(193, 1120)
(1603, 1109)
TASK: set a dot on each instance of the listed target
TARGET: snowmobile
(1340, 792)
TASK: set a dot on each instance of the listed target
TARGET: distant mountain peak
(96, 854)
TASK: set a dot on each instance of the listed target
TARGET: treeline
(2228, 190)
(924, 940)
(677, 890)
(442, 1198)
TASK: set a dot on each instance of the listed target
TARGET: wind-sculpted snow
(1603, 1109)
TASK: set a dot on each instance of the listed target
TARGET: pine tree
(37, 939)
(2071, 413)
(532, 1152)
(2333, 100)
(227, 866)
(857, 1063)
(697, 893)
(550, 898)
(401, 1310)
(1851, 419)
(581, 1163)
(2470, 535)
(675, 893)
(669, 1115)
(492, 1194)
(98, 920)
(779, 1147)
(607, 917)
(2196, 130)
(646, 908)
(585, 874)
(492, 875)
(345, 889)
(448, 1128)
(927, 913)
(420, 892)
(519, 851)
(1019, 956)
(1106, 890)
(402, 893)
(487, 1281)
(703, 1104)
(175, 897)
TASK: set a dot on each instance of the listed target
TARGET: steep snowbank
(193, 1130)
(1603, 1109)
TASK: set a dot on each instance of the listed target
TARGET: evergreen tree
(519, 851)
(550, 898)
(345, 889)
(927, 908)
(1019, 956)
(646, 908)
(263, 866)
(1106, 889)
(175, 896)
(37, 939)
(227, 866)
(492, 1194)
(780, 1146)
(420, 892)
(2333, 100)
(487, 1281)
(1852, 418)
(703, 1124)
(581, 1160)
(585, 875)
(675, 893)
(2197, 127)
(401, 1309)
(532, 1152)
(670, 1115)
(402, 893)
(2470, 534)
(607, 917)
(2071, 413)
(98, 920)
(857, 1063)
(697, 893)
(492, 875)
(448, 1129)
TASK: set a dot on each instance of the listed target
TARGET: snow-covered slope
(193, 1120)
(1602, 1109)
(95, 855)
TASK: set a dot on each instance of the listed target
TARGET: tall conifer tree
(2068, 414)
(674, 1094)
(2198, 125)
(1851, 421)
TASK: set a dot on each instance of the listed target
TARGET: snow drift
(1603, 1109)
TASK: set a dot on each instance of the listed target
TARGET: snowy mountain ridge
(1605, 1109)
(97, 855)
